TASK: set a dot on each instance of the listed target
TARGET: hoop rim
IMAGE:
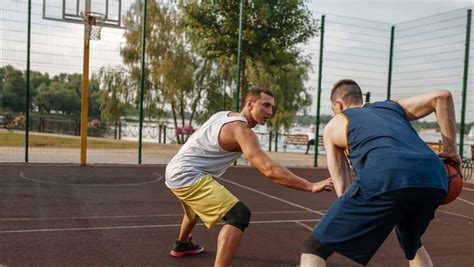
(99, 17)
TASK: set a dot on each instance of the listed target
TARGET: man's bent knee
(238, 216)
(312, 246)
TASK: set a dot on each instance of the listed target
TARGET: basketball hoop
(93, 22)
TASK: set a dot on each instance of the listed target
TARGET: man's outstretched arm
(441, 103)
(250, 146)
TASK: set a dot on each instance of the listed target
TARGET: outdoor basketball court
(121, 215)
(55, 215)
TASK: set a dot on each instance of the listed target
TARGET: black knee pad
(238, 216)
(312, 246)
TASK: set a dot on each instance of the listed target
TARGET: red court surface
(125, 216)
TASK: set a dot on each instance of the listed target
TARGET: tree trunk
(181, 111)
(175, 121)
(243, 87)
(201, 88)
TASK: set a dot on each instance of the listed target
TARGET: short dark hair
(254, 93)
(348, 91)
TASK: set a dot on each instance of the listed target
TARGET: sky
(359, 49)
(389, 11)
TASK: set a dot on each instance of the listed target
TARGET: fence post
(28, 46)
(318, 105)
(120, 131)
(224, 89)
(159, 133)
(464, 84)
(237, 92)
(270, 137)
(76, 126)
(390, 63)
(164, 134)
(142, 82)
(276, 141)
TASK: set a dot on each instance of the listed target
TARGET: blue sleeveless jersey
(387, 153)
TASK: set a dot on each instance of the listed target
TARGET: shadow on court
(59, 215)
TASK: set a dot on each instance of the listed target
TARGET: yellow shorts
(207, 199)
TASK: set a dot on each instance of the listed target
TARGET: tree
(94, 110)
(176, 77)
(271, 31)
(113, 96)
(131, 56)
(14, 89)
(217, 94)
(36, 79)
(63, 94)
(287, 84)
(56, 97)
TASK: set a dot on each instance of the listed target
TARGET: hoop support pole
(84, 98)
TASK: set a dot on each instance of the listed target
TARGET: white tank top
(202, 154)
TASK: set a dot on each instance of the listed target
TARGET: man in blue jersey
(399, 180)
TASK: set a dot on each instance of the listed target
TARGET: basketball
(454, 183)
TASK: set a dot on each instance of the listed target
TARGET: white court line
(274, 197)
(466, 201)
(454, 214)
(160, 177)
(132, 216)
(308, 209)
(468, 189)
(304, 225)
(134, 227)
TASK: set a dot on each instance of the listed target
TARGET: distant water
(151, 132)
(425, 136)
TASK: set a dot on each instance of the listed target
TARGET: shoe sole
(184, 253)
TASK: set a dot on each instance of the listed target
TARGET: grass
(17, 139)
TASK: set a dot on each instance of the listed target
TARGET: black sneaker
(181, 249)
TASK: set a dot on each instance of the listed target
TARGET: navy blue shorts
(356, 226)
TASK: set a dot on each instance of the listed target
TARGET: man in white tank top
(207, 154)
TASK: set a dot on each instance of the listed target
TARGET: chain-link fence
(399, 61)
(388, 61)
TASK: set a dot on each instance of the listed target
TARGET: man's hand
(453, 157)
(325, 185)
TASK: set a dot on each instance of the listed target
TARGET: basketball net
(93, 22)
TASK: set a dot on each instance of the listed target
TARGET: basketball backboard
(70, 10)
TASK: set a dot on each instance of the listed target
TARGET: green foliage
(113, 96)
(37, 79)
(61, 93)
(216, 100)
(14, 89)
(56, 97)
(219, 94)
(176, 77)
(287, 84)
(160, 44)
(164, 76)
(271, 33)
(94, 110)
